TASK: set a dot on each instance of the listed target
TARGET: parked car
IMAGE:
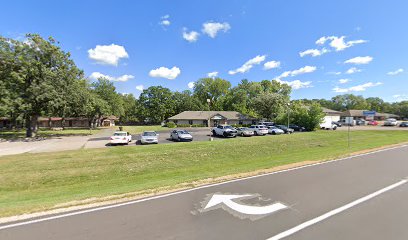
(404, 124)
(268, 124)
(181, 135)
(391, 122)
(275, 130)
(149, 137)
(297, 128)
(360, 122)
(372, 123)
(338, 123)
(259, 130)
(327, 123)
(245, 132)
(225, 131)
(120, 138)
(285, 129)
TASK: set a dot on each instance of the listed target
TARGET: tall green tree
(157, 104)
(213, 89)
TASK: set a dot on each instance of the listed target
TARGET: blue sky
(174, 43)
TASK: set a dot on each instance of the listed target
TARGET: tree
(349, 101)
(130, 107)
(156, 104)
(186, 101)
(107, 91)
(269, 105)
(213, 89)
(38, 70)
(377, 104)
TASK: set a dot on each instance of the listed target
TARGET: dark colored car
(285, 129)
(338, 124)
(360, 122)
(297, 128)
(404, 124)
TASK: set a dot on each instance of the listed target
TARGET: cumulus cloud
(303, 70)
(191, 36)
(212, 28)
(271, 65)
(212, 74)
(334, 73)
(358, 88)
(359, 60)
(297, 84)
(140, 88)
(313, 52)
(353, 70)
(344, 80)
(165, 20)
(338, 43)
(163, 72)
(248, 65)
(191, 85)
(107, 54)
(398, 71)
(123, 78)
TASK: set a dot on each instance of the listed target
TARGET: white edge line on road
(335, 211)
(184, 191)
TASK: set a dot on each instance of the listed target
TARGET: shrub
(171, 125)
(183, 125)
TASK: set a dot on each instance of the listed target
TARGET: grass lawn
(34, 182)
(43, 132)
(140, 129)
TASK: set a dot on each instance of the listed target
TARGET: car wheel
(214, 133)
(242, 134)
(256, 133)
(334, 128)
(224, 134)
(273, 133)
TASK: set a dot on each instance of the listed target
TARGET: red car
(373, 123)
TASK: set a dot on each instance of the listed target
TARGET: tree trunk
(63, 123)
(50, 123)
(31, 125)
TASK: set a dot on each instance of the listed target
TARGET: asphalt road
(363, 197)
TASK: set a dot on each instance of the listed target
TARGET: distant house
(58, 122)
(211, 118)
(359, 114)
(332, 114)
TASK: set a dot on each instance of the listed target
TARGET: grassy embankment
(34, 182)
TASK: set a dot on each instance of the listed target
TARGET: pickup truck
(225, 131)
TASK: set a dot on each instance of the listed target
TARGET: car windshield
(148, 134)
(119, 134)
(182, 132)
(228, 127)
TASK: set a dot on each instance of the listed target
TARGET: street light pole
(288, 113)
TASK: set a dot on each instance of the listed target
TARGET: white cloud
(344, 80)
(358, 88)
(303, 70)
(396, 72)
(163, 72)
(314, 52)
(123, 78)
(334, 73)
(191, 85)
(297, 84)
(338, 43)
(359, 60)
(165, 20)
(271, 65)
(190, 36)
(353, 70)
(400, 97)
(140, 88)
(107, 54)
(212, 74)
(248, 65)
(212, 28)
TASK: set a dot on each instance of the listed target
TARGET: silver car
(149, 137)
(181, 135)
(245, 132)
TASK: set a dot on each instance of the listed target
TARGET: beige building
(213, 117)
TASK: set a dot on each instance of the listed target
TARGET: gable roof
(205, 115)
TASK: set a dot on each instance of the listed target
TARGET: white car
(391, 122)
(120, 138)
(275, 131)
(149, 137)
(181, 135)
(224, 130)
(260, 130)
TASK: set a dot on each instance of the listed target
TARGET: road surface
(362, 197)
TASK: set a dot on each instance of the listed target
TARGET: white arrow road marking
(217, 199)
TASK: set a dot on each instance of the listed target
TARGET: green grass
(140, 129)
(44, 132)
(33, 182)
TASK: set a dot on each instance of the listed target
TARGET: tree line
(38, 78)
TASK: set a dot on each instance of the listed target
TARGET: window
(175, 121)
(190, 122)
(240, 122)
